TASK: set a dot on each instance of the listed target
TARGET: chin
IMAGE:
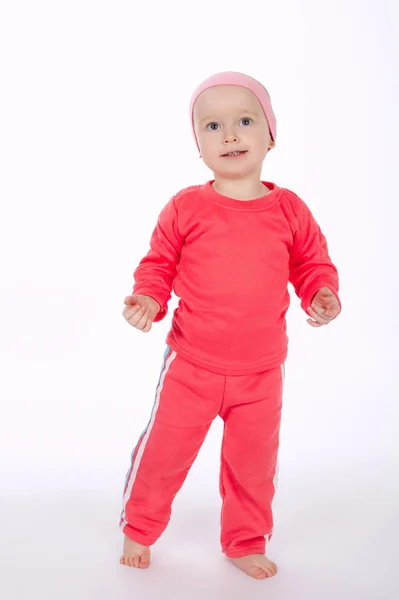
(236, 170)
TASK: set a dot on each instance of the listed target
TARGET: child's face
(229, 118)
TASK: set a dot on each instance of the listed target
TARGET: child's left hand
(324, 308)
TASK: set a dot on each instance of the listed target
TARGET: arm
(156, 271)
(310, 265)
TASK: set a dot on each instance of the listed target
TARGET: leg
(182, 414)
(252, 414)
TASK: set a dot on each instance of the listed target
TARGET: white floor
(335, 537)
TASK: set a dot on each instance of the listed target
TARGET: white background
(94, 140)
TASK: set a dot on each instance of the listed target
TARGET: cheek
(209, 145)
(260, 142)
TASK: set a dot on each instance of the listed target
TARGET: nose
(230, 137)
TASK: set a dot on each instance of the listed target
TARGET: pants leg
(252, 413)
(187, 401)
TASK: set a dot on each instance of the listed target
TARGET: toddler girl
(228, 248)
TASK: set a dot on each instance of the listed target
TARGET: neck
(247, 187)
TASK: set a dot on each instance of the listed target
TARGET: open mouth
(235, 153)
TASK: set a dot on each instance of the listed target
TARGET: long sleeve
(156, 271)
(311, 267)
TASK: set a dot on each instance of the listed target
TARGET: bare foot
(256, 565)
(135, 555)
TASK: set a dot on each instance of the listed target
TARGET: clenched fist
(140, 311)
(325, 307)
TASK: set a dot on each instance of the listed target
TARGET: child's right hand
(140, 311)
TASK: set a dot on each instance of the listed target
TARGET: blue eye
(247, 121)
(210, 125)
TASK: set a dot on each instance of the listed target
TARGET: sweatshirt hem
(225, 370)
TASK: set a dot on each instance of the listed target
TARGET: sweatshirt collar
(263, 202)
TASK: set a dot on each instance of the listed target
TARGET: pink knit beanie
(233, 78)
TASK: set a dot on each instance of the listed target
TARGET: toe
(136, 561)
(262, 575)
(271, 571)
(144, 561)
(258, 573)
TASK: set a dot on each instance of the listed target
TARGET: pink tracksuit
(229, 262)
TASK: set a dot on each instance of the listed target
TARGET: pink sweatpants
(188, 399)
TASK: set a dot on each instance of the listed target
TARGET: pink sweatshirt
(229, 261)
